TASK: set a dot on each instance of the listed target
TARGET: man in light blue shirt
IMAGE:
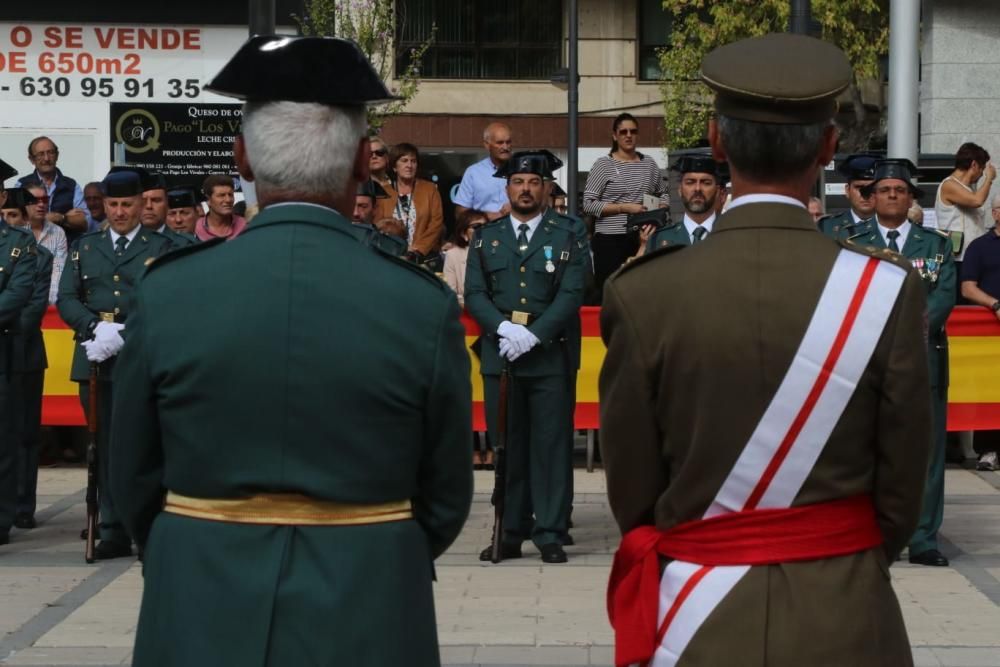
(479, 190)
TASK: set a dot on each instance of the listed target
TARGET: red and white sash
(838, 344)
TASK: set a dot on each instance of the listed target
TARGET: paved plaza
(56, 610)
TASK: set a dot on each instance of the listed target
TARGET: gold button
(523, 300)
(117, 293)
(117, 278)
(523, 269)
(524, 284)
(117, 310)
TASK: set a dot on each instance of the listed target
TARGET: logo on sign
(138, 130)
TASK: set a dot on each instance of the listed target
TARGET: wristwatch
(995, 306)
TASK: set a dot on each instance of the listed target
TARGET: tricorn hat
(371, 188)
(122, 183)
(777, 78)
(151, 180)
(702, 164)
(323, 70)
(858, 167)
(528, 162)
(897, 168)
(187, 196)
(6, 171)
(19, 198)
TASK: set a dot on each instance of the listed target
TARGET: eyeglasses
(628, 130)
(42, 199)
(380, 152)
(39, 154)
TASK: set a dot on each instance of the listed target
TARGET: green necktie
(120, 245)
(698, 234)
(522, 238)
(893, 235)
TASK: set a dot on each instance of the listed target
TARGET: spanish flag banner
(973, 396)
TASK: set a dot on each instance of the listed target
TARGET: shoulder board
(88, 235)
(420, 271)
(944, 235)
(879, 253)
(828, 216)
(639, 261)
(495, 223)
(182, 251)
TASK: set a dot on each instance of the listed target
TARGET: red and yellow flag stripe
(973, 396)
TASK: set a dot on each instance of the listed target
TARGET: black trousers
(610, 252)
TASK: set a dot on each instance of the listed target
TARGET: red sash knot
(751, 537)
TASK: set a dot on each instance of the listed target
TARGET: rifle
(500, 465)
(92, 507)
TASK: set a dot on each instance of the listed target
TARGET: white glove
(95, 351)
(507, 350)
(108, 336)
(520, 338)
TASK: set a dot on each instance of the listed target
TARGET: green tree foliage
(859, 27)
(370, 23)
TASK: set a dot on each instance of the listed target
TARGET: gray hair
(305, 148)
(770, 152)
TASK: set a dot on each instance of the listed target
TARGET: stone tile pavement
(56, 610)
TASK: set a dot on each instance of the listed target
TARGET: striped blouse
(614, 182)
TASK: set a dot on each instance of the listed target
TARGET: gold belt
(286, 509)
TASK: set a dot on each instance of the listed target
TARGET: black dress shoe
(931, 557)
(83, 534)
(567, 540)
(553, 553)
(24, 521)
(508, 550)
(106, 550)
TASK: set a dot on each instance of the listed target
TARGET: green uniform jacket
(688, 376)
(95, 281)
(930, 252)
(178, 239)
(670, 235)
(29, 346)
(18, 253)
(524, 283)
(304, 363)
(839, 226)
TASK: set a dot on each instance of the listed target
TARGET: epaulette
(181, 251)
(648, 255)
(879, 253)
(420, 271)
(942, 234)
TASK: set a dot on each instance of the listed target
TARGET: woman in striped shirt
(615, 188)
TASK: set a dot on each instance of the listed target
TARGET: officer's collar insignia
(479, 243)
(495, 243)
(149, 260)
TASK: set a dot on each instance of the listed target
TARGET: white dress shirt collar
(903, 229)
(532, 225)
(690, 225)
(764, 198)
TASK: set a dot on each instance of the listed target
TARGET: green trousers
(111, 528)
(932, 509)
(539, 455)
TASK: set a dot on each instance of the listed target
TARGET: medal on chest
(549, 266)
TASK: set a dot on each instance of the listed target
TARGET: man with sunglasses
(67, 207)
(858, 170)
(892, 194)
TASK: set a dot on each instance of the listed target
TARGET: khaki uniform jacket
(690, 371)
